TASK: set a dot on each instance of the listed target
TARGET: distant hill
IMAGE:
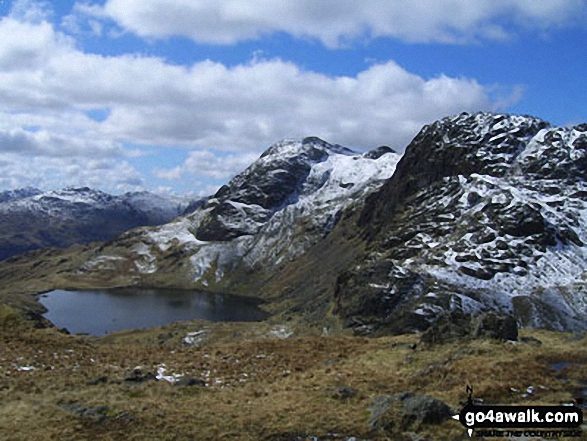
(31, 219)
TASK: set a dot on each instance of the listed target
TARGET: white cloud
(205, 163)
(209, 105)
(48, 83)
(335, 22)
(56, 172)
(50, 144)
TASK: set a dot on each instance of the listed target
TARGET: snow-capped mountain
(483, 212)
(31, 219)
(12, 195)
(265, 217)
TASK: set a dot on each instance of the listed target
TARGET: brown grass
(259, 388)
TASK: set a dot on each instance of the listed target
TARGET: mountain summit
(482, 212)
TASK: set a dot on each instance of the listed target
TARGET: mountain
(31, 219)
(482, 212)
(13, 195)
(269, 215)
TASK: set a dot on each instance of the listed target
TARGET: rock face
(31, 219)
(285, 203)
(455, 325)
(484, 212)
(398, 413)
(251, 198)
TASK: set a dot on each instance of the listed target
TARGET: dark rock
(398, 413)
(96, 381)
(473, 198)
(531, 341)
(456, 325)
(448, 328)
(344, 393)
(136, 375)
(379, 152)
(520, 220)
(189, 381)
(493, 325)
(478, 273)
(483, 237)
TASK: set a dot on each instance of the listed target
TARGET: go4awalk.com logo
(520, 421)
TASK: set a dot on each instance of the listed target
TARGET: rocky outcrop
(251, 198)
(484, 212)
(455, 326)
(479, 143)
(406, 411)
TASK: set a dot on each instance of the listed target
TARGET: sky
(177, 96)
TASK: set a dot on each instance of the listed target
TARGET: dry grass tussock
(259, 387)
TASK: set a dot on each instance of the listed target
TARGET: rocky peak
(273, 181)
(483, 212)
(482, 143)
(21, 193)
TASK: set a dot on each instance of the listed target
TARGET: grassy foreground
(259, 386)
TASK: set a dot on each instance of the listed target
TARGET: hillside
(31, 219)
(482, 212)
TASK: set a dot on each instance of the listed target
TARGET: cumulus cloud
(52, 172)
(207, 164)
(335, 22)
(48, 83)
(209, 105)
(44, 143)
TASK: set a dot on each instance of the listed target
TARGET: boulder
(405, 411)
(456, 325)
(493, 325)
(189, 381)
(136, 375)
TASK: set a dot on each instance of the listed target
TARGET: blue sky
(179, 95)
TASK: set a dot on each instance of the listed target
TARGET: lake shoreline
(100, 312)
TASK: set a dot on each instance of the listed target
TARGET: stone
(493, 325)
(456, 325)
(401, 412)
(344, 393)
(448, 328)
(189, 381)
(137, 375)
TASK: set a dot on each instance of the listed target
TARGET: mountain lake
(100, 312)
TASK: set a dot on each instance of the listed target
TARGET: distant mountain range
(482, 212)
(31, 219)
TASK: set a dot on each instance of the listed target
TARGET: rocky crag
(482, 212)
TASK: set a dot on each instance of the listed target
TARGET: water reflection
(100, 312)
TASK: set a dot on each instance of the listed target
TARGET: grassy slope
(259, 387)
